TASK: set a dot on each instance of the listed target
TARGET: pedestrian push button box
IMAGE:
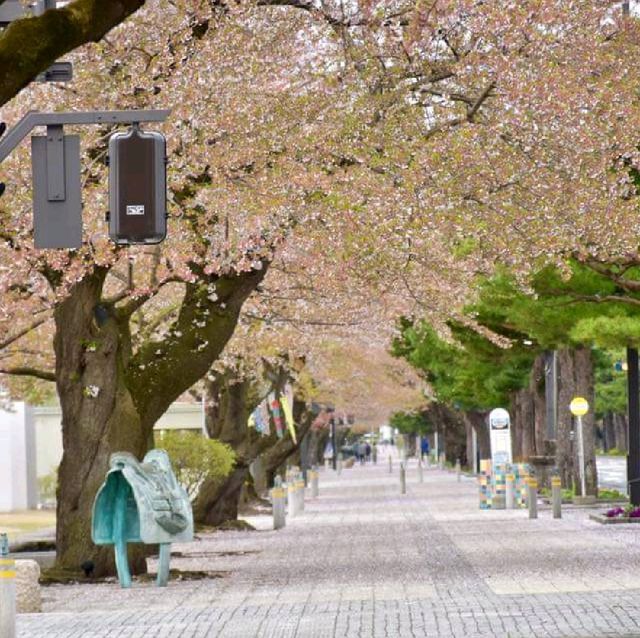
(137, 187)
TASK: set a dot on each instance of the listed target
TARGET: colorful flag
(288, 415)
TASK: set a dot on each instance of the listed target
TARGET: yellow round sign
(579, 406)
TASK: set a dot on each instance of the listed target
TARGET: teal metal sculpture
(141, 503)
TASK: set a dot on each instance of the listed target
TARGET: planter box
(614, 520)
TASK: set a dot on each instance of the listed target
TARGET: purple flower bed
(619, 512)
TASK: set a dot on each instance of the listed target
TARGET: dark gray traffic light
(137, 187)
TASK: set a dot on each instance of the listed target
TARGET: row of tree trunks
(318, 438)
(615, 432)
(451, 431)
(230, 402)
(475, 420)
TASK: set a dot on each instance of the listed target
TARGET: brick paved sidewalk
(364, 561)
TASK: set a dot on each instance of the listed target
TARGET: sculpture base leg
(163, 565)
(119, 515)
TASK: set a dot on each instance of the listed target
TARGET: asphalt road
(612, 472)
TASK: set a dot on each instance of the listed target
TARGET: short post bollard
(315, 478)
(458, 469)
(420, 472)
(300, 492)
(510, 492)
(556, 496)
(374, 454)
(390, 464)
(7, 591)
(292, 502)
(403, 479)
(441, 461)
(278, 504)
(532, 497)
(339, 464)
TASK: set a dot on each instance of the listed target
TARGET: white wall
(18, 485)
(31, 447)
(48, 428)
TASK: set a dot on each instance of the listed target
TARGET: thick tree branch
(21, 333)
(29, 372)
(30, 45)
(197, 337)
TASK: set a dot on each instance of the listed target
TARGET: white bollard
(315, 478)
(420, 472)
(7, 591)
(510, 492)
(300, 492)
(278, 504)
(403, 479)
(292, 503)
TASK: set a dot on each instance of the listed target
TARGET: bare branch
(23, 332)
(29, 372)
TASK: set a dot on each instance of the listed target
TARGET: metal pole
(339, 468)
(551, 393)
(390, 464)
(334, 444)
(7, 591)
(315, 477)
(633, 456)
(420, 472)
(474, 449)
(403, 479)
(583, 480)
(556, 496)
(436, 446)
(458, 469)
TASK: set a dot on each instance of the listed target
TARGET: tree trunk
(537, 388)
(112, 397)
(478, 421)
(575, 378)
(608, 432)
(91, 355)
(525, 425)
(620, 427)
(220, 504)
(516, 426)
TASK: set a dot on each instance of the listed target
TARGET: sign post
(500, 434)
(579, 407)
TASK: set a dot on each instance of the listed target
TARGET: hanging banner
(257, 420)
(275, 412)
(500, 435)
(264, 417)
(288, 416)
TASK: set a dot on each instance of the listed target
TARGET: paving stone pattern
(365, 561)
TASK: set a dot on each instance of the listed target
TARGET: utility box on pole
(137, 187)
